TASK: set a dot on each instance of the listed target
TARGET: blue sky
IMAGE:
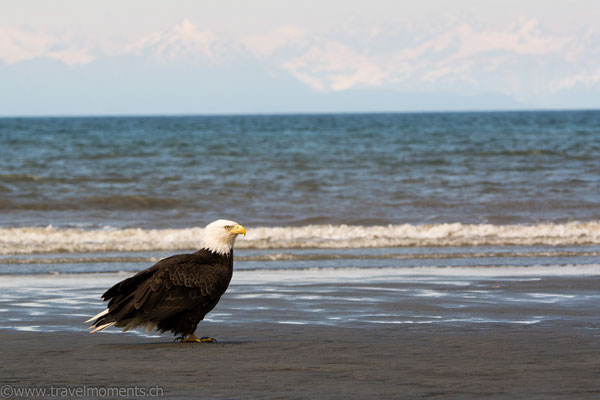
(206, 57)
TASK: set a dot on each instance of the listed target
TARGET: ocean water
(380, 169)
(433, 200)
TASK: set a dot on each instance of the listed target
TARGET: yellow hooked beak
(238, 229)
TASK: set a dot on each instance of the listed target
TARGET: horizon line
(298, 113)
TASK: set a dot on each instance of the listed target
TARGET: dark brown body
(173, 295)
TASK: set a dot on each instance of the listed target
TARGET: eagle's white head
(219, 236)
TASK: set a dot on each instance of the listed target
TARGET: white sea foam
(28, 240)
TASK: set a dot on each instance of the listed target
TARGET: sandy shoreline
(323, 336)
(274, 361)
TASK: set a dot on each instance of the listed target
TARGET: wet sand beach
(548, 345)
(273, 361)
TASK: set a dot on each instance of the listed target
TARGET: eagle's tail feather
(103, 326)
(97, 316)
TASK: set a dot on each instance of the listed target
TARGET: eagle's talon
(193, 338)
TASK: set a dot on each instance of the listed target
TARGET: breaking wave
(30, 240)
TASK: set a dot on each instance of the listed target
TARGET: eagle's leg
(193, 338)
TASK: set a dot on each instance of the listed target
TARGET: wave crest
(30, 240)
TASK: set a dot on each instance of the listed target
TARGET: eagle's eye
(228, 227)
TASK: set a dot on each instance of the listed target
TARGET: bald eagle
(175, 293)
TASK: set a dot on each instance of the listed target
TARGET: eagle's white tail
(102, 327)
(98, 315)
